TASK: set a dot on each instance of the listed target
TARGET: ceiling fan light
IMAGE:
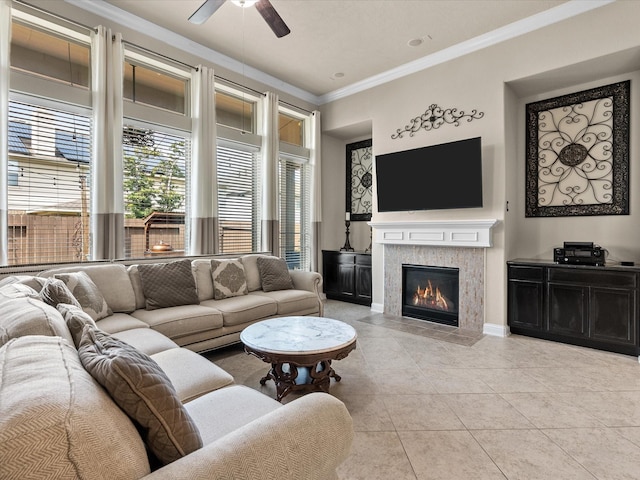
(244, 3)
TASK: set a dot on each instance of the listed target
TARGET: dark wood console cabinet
(582, 305)
(347, 276)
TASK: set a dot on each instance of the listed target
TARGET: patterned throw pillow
(143, 391)
(76, 319)
(229, 279)
(55, 291)
(86, 293)
(274, 274)
(168, 284)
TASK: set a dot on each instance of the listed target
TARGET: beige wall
(568, 56)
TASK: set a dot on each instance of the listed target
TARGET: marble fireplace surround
(459, 244)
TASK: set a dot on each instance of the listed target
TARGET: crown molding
(169, 37)
(562, 12)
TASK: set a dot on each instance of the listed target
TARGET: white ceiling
(365, 40)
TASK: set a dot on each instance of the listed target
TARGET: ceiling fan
(264, 8)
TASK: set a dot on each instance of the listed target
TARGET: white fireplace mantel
(447, 233)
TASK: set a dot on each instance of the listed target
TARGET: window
(294, 202)
(49, 184)
(235, 110)
(151, 87)
(239, 197)
(53, 56)
(155, 165)
(291, 129)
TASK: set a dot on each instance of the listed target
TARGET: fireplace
(430, 293)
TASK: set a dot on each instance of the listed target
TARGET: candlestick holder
(347, 246)
(368, 249)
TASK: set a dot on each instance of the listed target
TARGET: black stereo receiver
(579, 253)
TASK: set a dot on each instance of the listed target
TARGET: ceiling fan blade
(272, 18)
(205, 10)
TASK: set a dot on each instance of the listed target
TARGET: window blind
(295, 214)
(49, 185)
(239, 195)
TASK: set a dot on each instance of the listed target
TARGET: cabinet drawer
(363, 260)
(533, 274)
(593, 277)
(339, 257)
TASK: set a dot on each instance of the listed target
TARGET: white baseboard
(496, 330)
(377, 307)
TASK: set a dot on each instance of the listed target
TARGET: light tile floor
(433, 403)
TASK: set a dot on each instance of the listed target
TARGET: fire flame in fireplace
(429, 297)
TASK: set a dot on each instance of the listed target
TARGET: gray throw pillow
(55, 291)
(168, 284)
(86, 293)
(274, 274)
(143, 391)
(76, 319)
(229, 279)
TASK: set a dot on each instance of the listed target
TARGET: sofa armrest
(307, 438)
(310, 281)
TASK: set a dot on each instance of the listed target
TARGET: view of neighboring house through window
(49, 185)
(49, 144)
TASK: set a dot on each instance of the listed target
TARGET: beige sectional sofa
(60, 418)
(208, 324)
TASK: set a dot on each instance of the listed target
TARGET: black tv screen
(436, 177)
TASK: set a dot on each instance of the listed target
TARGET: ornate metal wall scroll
(359, 180)
(578, 153)
(434, 117)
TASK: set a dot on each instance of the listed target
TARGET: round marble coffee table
(300, 351)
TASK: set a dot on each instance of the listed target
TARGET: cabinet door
(613, 316)
(346, 274)
(331, 277)
(363, 282)
(568, 309)
(525, 304)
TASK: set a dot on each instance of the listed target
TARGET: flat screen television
(436, 177)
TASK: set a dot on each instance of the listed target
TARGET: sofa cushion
(234, 407)
(274, 274)
(202, 273)
(239, 310)
(136, 283)
(140, 387)
(293, 301)
(57, 422)
(228, 278)
(22, 314)
(191, 374)
(176, 322)
(76, 319)
(55, 291)
(147, 340)
(111, 279)
(168, 284)
(86, 293)
(119, 322)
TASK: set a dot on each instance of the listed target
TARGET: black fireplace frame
(443, 317)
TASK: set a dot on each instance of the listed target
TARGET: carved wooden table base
(315, 370)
